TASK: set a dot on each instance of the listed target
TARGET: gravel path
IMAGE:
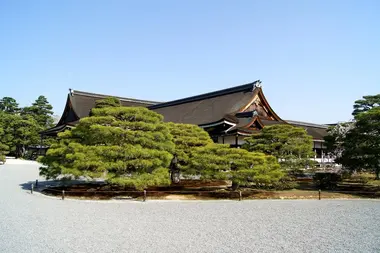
(35, 223)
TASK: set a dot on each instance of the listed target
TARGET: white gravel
(35, 223)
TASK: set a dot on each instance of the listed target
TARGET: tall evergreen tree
(357, 144)
(361, 146)
(19, 132)
(366, 103)
(128, 146)
(42, 111)
(9, 105)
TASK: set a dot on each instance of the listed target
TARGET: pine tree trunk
(235, 185)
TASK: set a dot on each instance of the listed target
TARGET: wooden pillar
(41, 142)
(237, 140)
(223, 139)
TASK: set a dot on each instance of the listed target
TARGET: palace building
(228, 115)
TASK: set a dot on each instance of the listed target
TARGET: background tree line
(20, 126)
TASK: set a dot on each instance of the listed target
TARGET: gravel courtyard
(36, 223)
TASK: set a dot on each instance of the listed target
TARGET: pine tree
(186, 137)
(127, 146)
(9, 105)
(357, 143)
(42, 111)
(19, 132)
(291, 145)
(108, 102)
(219, 161)
(361, 145)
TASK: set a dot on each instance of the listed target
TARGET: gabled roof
(83, 102)
(240, 108)
(208, 107)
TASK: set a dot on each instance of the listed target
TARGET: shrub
(286, 183)
(362, 178)
(327, 180)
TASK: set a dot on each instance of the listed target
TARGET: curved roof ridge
(245, 87)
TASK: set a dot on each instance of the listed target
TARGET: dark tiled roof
(206, 108)
(54, 130)
(318, 131)
(307, 124)
(271, 122)
(83, 102)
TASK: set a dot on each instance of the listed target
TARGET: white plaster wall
(231, 140)
(319, 144)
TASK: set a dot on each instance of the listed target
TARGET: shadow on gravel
(77, 189)
(40, 186)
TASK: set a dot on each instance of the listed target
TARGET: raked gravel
(36, 223)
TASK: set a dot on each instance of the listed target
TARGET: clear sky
(314, 58)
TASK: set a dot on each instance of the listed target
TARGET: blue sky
(314, 58)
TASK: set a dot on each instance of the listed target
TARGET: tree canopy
(361, 146)
(219, 161)
(186, 137)
(357, 146)
(291, 145)
(19, 132)
(21, 126)
(9, 105)
(42, 111)
(366, 103)
(3, 147)
(107, 102)
(128, 146)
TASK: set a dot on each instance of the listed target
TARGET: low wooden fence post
(144, 198)
(31, 189)
(319, 194)
(63, 194)
(240, 197)
(36, 183)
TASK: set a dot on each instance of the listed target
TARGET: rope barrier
(180, 191)
(59, 191)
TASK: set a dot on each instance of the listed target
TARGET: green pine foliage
(9, 105)
(291, 145)
(18, 132)
(186, 137)
(42, 111)
(127, 146)
(108, 102)
(356, 144)
(21, 126)
(219, 161)
(361, 146)
(3, 147)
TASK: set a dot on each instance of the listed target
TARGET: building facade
(228, 115)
